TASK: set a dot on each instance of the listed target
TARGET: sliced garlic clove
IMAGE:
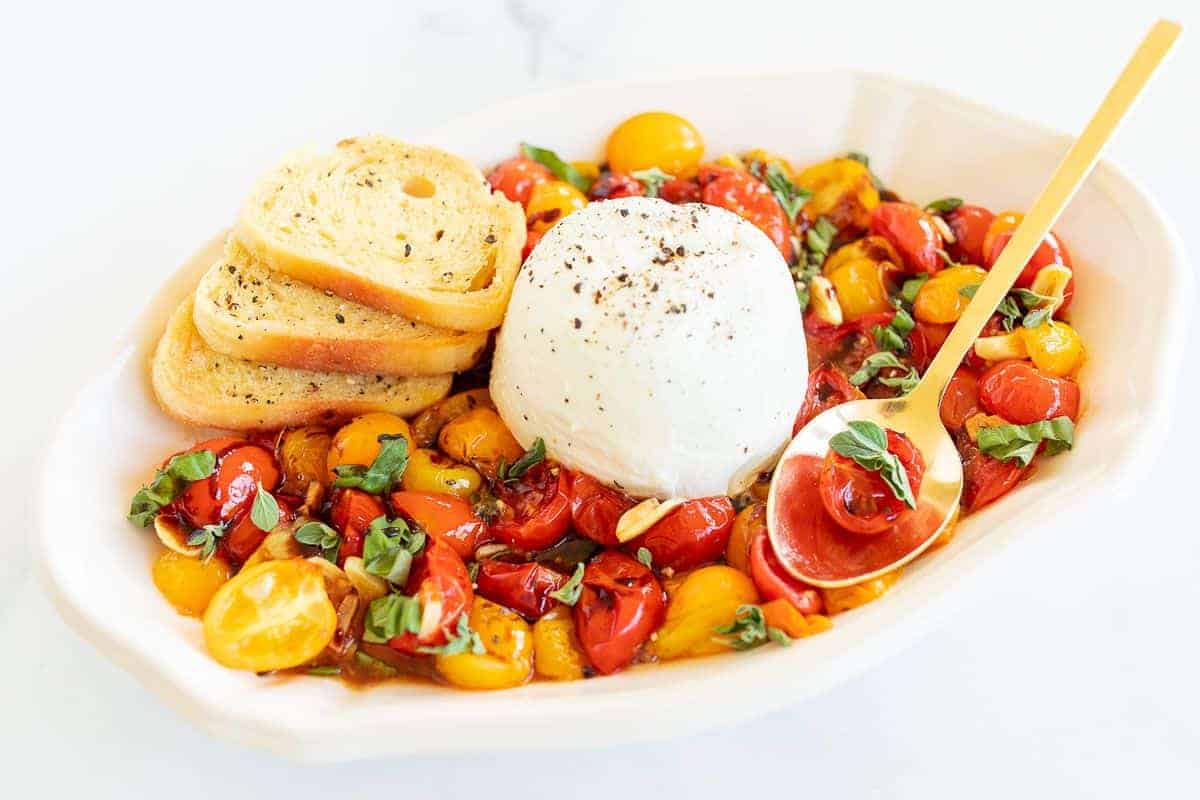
(823, 300)
(174, 537)
(639, 519)
(1001, 348)
(368, 586)
(1051, 281)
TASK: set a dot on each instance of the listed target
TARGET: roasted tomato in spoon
(860, 500)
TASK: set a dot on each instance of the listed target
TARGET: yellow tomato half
(507, 659)
(550, 201)
(189, 583)
(557, 655)
(707, 599)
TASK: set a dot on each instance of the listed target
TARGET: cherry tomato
(1017, 391)
(440, 581)
(551, 201)
(443, 516)
(1052, 250)
(241, 466)
(537, 509)
(749, 198)
(532, 237)
(525, 588)
(680, 191)
(969, 224)
(911, 232)
(351, 512)
(774, 582)
(695, 533)
(972, 360)
(517, 176)
(655, 139)
(961, 399)
(858, 499)
(827, 387)
(595, 509)
(612, 185)
(242, 537)
(621, 605)
(985, 479)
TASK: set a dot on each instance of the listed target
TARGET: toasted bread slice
(198, 385)
(404, 228)
(244, 310)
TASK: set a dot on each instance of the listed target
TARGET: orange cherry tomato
(595, 509)
(524, 588)
(612, 185)
(443, 516)
(351, 513)
(985, 479)
(858, 499)
(537, 509)
(695, 533)
(749, 198)
(969, 224)
(680, 191)
(827, 387)
(440, 581)
(516, 177)
(960, 400)
(621, 604)
(912, 233)
(1019, 392)
(1052, 250)
(775, 583)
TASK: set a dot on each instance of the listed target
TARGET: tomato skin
(1052, 250)
(351, 512)
(960, 400)
(532, 237)
(612, 185)
(859, 500)
(679, 191)
(242, 537)
(539, 509)
(969, 224)
(1018, 392)
(240, 467)
(828, 386)
(749, 198)
(695, 533)
(440, 577)
(515, 178)
(985, 479)
(774, 582)
(911, 232)
(596, 508)
(524, 588)
(443, 516)
(620, 606)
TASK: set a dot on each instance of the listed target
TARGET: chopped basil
(644, 556)
(862, 158)
(384, 471)
(790, 196)
(390, 616)
(389, 549)
(819, 238)
(324, 671)
(570, 591)
(874, 363)
(894, 335)
(866, 444)
(1038, 316)
(1021, 442)
(1031, 299)
(651, 179)
(908, 292)
(464, 639)
(510, 473)
(803, 274)
(945, 205)
(265, 511)
(169, 482)
(320, 535)
(969, 290)
(749, 629)
(206, 539)
(561, 169)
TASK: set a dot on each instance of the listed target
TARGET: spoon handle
(1066, 180)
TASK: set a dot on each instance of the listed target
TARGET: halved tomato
(351, 512)
(774, 582)
(440, 581)
(858, 499)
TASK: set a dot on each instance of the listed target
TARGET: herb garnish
(169, 482)
(389, 616)
(651, 179)
(464, 639)
(865, 443)
(819, 237)
(908, 292)
(389, 549)
(750, 629)
(206, 539)
(894, 335)
(1021, 442)
(510, 473)
(863, 159)
(945, 205)
(561, 169)
(570, 591)
(790, 196)
(1038, 307)
(318, 534)
(384, 471)
(264, 513)
(874, 363)
(644, 556)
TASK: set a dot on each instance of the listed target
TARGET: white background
(130, 134)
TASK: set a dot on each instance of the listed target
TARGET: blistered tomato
(827, 387)
(507, 657)
(551, 201)
(655, 139)
(969, 224)
(357, 442)
(774, 582)
(695, 533)
(351, 513)
(517, 176)
(525, 588)
(749, 198)
(536, 509)
(858, 499)
(595, 509)
(621, 605)
(440, 582)
(1017, 391)
(443, 516)
(912, 233)
(613, 185)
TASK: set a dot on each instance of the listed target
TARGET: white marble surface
(131, 133)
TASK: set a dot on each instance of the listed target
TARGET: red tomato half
(595, 509)
(827, 387)
(961, 399)
(525, 588)
(612, 185)
(233, 484)
(1017, 391)
(621, 605)
(985, 479)
(678, 191)
(912, 233)
(749, 198)
(517, 176)
(969, 224)
(858, 499)
(440, 581)
(693, 534)
(242, 537)
(774, 582)
(538, 509)
(443, 516)
(351, 512)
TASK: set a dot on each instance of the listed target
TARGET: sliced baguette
(246, 311)
(197, 385)
(404, 228)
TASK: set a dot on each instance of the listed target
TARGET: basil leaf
(644, 556)
(945, 205)
(819, 237)
(778, 636)
(1031, 299)
(749, 629)
(1038, 317)
(903, 323)
(206, 539)
(790, 196)
(384, 471)
(265, 511)
(510, 473)
(318, 534)
(865, 443)
(561, 169)
(389, 549)
(651, 179)
(894, 335)
(168, 483)
(192, 466)
(464, 639)
(1021, 442)
(910, 288)
(875, 362)
(969, 290)
(862, 158)
(390, 616)
(570, 591)
(1010, 312)
(324, 670)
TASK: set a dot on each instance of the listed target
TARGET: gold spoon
(917, 414)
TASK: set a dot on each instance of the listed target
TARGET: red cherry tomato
(443, 516)
(1052, 250)
(985, 479)
(525, 588)
(537, 509)
(774, 582)
(858, 499)
(1017, 391)
(912, 233)
(440, 581)
(678, 191)
(969, 224)
(517, 176)
(972, 361)
(242, 537)
(595, 509)
(961, 399)
(695, 533)
(233, 484)
(749, 198)
(621, 605)
(351, 512)
(827, 387)
(612, 185)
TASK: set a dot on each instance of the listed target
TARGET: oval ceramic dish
(926, 144)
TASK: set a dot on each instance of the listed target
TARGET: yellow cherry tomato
(479, 437)
(189, 583)
(940, 299)
(1054, 347)
(304, 456)
(271, 616)
(845, 598)
(707, 599)
(507, 659)
(874, 248)
(785, 616)
(557, 655)
(588, 169)
(655, 139)
(429, 423)
(550, 201)
(861, 289)
(746, 524)
(766, 157)
(430, 471)
(842, 192)
(357, 442)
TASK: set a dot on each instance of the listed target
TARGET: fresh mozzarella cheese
(658, 348)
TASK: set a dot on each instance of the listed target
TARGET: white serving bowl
(926, 144)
